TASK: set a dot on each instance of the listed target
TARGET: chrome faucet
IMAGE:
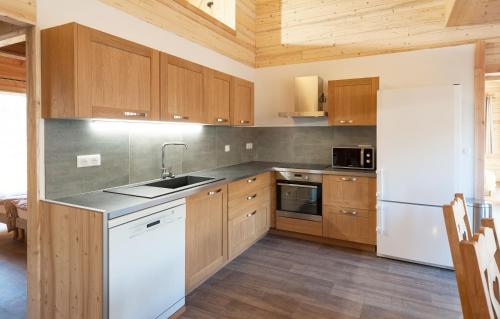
(167, 172)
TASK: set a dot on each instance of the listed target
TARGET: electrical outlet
(249, 146)
(88, 160)
(227, 148)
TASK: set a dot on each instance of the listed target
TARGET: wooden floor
(288, 278)
(12, 276)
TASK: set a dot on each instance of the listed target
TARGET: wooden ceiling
(493, 56)
(12, 58)
(277, 32)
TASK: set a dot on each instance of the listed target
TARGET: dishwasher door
(147, 265)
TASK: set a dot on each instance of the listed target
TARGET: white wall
(98, 15)
(274, 85)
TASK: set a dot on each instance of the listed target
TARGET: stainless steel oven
(299, 195)
(354, 157)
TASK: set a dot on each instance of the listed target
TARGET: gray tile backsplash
(130, 152)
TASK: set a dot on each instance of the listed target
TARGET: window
(222, 10)
(13, 143)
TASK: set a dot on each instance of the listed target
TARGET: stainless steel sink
(182, 181)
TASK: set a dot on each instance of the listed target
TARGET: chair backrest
(483, 275)
(458, 229)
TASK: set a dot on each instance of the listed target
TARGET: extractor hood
(309, 98)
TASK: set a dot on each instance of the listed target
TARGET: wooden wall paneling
(71, 262)
(34, 221)
(12, 86)
(467, 12)
(492, 60)
(20, 10)
(492, 161)
(172, 16)
(305, 31)
(479, 121)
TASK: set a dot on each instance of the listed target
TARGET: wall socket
(227, 148)
(249, 146)
(88, 160)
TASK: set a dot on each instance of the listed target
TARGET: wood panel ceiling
(297, 31)
(20, 10)
(493, 56)
(469, 12)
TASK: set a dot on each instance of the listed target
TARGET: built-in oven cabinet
(349, 191)
(356, 225)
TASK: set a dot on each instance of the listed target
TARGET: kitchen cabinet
(349, 191)
(356, 225)
(182, 89)
(353, 102)
(206, 236)
(300, 226)
(242, 110)
(90, 74)
(218, 97)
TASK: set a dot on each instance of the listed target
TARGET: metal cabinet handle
(350, 121)
(252, 213)
(244, 121)
(252, 180)
(252, 197)
(342, 121)
(349, 179)
(180, 117)
(141, 114)
(211, 193)
(221, 120)
(354, 213)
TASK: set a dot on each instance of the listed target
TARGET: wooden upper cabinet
(182, 88)
(353, 102)
(349, 191)
(243, 100)
(90, 74)
(218, 92)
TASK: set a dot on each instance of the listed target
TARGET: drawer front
(243, 200)
(245, 228)
(299, 226)
(349, 191)
(357, 225)
(248, 185)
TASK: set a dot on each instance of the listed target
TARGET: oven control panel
(301, 177)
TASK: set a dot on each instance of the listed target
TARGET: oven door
(298, 200)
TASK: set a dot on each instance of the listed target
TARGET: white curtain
(13, 143)
(490, 128)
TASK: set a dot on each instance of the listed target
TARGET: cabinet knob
(244, 122)
(252, 180)
(252, 213)
(211, 193)
(141, 114)
(350, 121)
(252, 197)
(342, 121)
(180, 117)
(221, 120)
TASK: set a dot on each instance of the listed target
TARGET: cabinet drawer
(357, 225)
(299, 226)
(246, 227)
(349, 191)
(242, 200)
(248, 185)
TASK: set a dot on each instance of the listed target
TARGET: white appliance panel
(414, 233)
(147, 266)
(419, 144)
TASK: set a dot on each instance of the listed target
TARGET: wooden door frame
(479, 119)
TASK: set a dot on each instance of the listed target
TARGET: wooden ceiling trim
(8, 85)
(470, 12)
(493, 56)
(176, 18)
(19, 10)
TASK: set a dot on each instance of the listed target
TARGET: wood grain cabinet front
(242, 110)
(245, 227)
(182, 89)
(90, 74)
(219, 96)
(357, 225)
(349, 191)
(353, 102)
(206, 235)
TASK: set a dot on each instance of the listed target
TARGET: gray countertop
(116, 205)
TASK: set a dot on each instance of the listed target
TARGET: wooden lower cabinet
(357, 225)
(206, 236)
(245, 227)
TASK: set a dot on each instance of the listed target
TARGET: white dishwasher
(147, 262)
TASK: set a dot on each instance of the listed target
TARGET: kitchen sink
(181, 181)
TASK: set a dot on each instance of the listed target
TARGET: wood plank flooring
(12, 276)
(288, 278)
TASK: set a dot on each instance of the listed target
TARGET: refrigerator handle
(380, 218)
(380, 183)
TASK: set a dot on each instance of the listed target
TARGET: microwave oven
(354, 157)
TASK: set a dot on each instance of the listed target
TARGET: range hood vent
(309, 98)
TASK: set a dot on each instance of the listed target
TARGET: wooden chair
(458, 229)
(482, 273)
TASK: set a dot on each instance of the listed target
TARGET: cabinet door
(219, 97)
(206, 242)
(115, 78)
(349, 191)
(182, 90)
(349, 224)
(243, 99)
(245, 227)
(353, 102)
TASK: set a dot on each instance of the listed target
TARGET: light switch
(227, 148)
(249, 146)
(88, 160)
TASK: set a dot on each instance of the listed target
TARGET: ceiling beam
(471, 12)
(11, 34)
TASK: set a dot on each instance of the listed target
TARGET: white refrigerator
(419, 164)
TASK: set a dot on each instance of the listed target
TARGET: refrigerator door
(414, 233)
(419, 144)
